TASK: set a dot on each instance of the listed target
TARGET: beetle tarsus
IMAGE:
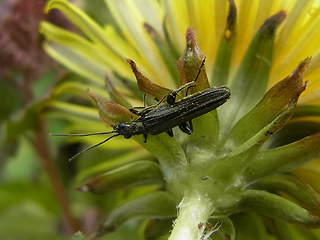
(170, 132)
(145, 136)
(188, 129)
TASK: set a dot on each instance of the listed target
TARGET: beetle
(166, 116)
(167, 113)
(158, 118)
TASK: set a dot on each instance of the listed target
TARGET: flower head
(236, 167)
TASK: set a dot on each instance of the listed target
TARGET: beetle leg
(141, 111)
(190, 125)
(171, 98)
(145, 136)
(170, 132)
(186, 128)
(144, 99)
(137, 110)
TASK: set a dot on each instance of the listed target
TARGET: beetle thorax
(131, 129)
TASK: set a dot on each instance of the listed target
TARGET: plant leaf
(250, 81)
(283, 159)
(111, 112)
(157, 228)
(293, 131)
(275, 206)
(307, 110)
(154, 205)
(306, 196)
(280, 99)
(190, 62)
(169, 153)
(249, 226)
(280, 229)
(130, 175)
(220, 73)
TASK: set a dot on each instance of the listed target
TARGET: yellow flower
(225, 175)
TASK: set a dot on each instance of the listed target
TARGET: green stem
(194, 212)
(42, 148)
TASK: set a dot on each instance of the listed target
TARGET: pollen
(227, 34)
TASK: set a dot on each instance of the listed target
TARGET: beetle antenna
(80, 134)
(195, 80)
(202, 64)
(93, 146)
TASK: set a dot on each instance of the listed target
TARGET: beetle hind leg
(186, 128)
(145, 136)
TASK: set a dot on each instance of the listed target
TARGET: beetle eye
(122, 125)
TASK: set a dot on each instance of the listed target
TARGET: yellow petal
(95, 53)
(76, 62)
(131, 23)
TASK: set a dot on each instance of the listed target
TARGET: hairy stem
(194, 212)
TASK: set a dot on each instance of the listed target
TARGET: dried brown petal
(110, 112)
(146, 85)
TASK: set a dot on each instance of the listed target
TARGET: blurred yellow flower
(237, 158)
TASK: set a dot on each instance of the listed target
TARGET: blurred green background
(38, 196)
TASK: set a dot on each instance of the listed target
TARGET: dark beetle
(166, 116)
